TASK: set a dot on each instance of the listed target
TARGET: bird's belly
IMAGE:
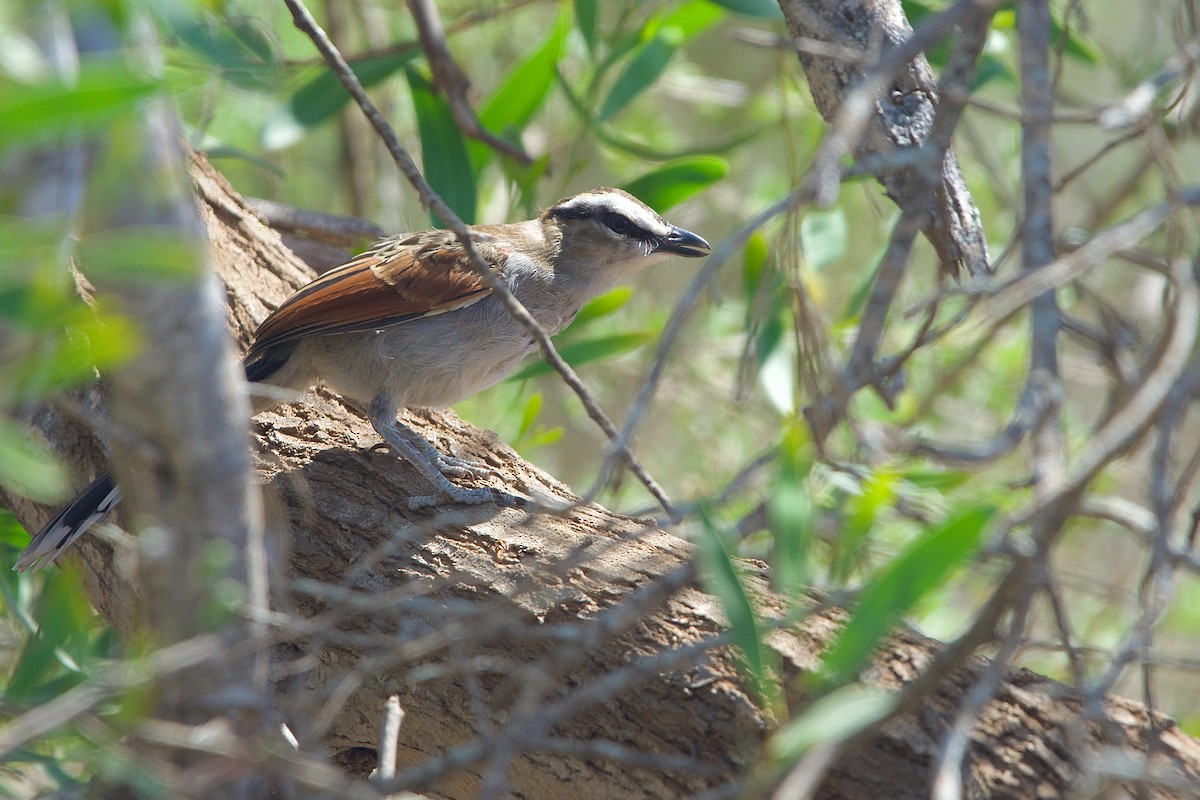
(432, 362)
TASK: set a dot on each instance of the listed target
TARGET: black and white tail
(69, 524)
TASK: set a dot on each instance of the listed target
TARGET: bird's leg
(432, 464)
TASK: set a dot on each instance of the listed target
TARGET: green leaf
(586, 18)
(529, 414)
(936, 479)
(834, 718)
(443, 151)
(790, 511)
(12, 534)
(923, 566)
(27, 467)
(581, 352)
(687, 20)
(754, 263)
(1077, 46)
(762, 9)
(62, 640)
(676, 181)
(858, 299)
(642, 70)
(640, 150)
(138, 253)
(522, 91)
(776, 364)
(992, 68)
(608, 303)
(237, 45)
(720, 576)
(665, 35)
(823, 236)
(877, 494)
(322, 97)
(104, 89)
(88, 340)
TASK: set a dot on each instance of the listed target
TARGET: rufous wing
(396, 281)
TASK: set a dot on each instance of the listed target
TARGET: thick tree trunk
(550, 655)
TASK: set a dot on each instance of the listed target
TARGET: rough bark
(547, 654)
(856, 35)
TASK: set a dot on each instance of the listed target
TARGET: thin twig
(453, 82)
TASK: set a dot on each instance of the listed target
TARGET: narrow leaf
(443, 151)
(790, 511)
(27, 467)
(834, 718)
(676, 181)
(586, 16)
(641, 71)
(579, 353)
(720, 576)
(608, 303)
(322, 97)
(522, 91)
(37, 111)
(762, 9)
(823, 236)
(529, 414)
(923, 566)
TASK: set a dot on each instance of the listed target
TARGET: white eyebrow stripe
(623, 205)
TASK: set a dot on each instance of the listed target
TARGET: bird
(409, 323)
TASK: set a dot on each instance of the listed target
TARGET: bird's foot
(455, 467)
(451, 465)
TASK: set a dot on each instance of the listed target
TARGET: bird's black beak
(684, 243)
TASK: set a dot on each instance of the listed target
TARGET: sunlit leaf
(608, 303)
(754, 263)
(522, 91)
(650, 59)
(831, 719)
(762, 9)
(790, 511)
(237, 45)
(641, 71)
(919, 569)
(588, 350)
(676, 181)
(322, 97)
(647, 153)
(49, 663)
(104, 89)
(877, 494)
(721, 577)
(823, 237)
(936, 479)
(777, 367)
(586, 17)
(89, 340)
(139, 253)
(27, 467)
(529, 414)
(443, 151)
(687, 20)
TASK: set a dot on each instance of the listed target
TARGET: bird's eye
(618, 224)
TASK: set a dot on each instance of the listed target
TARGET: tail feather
(98, 499)
(70, 523)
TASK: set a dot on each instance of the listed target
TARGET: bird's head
(609, 230)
